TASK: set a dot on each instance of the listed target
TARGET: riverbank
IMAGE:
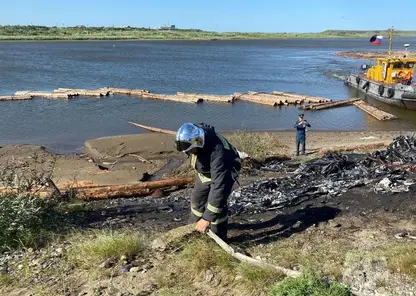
(14, 33)
(127, 159)
(358, 238)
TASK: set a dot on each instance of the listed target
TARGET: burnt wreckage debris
(331, 175)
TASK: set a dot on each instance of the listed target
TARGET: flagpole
(390, 41)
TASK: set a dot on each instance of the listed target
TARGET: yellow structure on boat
(393, 70)
(390, 80)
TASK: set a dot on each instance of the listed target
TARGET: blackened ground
(269, 226)
(154, 215)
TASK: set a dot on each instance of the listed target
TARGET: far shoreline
(176, 39)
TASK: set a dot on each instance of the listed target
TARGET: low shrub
(89, 249)
(26, 220)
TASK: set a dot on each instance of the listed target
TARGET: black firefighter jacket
(217, 164)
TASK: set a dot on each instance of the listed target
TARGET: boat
(390, 80)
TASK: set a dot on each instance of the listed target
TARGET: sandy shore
(119, 159)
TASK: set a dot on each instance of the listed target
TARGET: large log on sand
(94, 192)
(153, 129)
(129, 190)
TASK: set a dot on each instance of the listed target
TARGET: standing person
(216, 162)
(300, 126)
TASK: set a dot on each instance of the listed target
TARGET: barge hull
(397, 95)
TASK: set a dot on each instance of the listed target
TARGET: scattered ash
(331, 175)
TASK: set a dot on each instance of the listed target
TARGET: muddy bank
(372, 56)
(155, 145)
(125, 159)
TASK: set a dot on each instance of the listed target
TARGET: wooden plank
(373, 111)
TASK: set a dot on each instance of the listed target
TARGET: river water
(304, 66)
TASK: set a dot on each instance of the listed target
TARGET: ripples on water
(219, 67)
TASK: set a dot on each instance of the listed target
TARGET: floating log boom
(83, 92)
(44, 94)
(320, 106)
(373, 111)
(15, 98)
(303, 98)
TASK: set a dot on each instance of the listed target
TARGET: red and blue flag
(376, 39)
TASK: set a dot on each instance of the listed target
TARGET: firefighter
(217, 164)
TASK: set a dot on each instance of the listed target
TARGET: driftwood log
(87, 191)
(129, 190)
(153, 129)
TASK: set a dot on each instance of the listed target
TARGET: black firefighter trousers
(199, 203)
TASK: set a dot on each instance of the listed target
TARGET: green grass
(258, 279)
(402, 258)
(308, 285)
(256, 145)
(130, 33)
(202, 254)
(326, 256)
(5, 280)
(92, 249)
(28, 221)
(186, 270)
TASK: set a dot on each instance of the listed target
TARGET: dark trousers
(300, 139)
(199, 201)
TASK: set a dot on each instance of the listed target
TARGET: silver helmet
(189, 136)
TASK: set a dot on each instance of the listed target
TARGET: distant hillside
(131, 33)
(365, 33)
